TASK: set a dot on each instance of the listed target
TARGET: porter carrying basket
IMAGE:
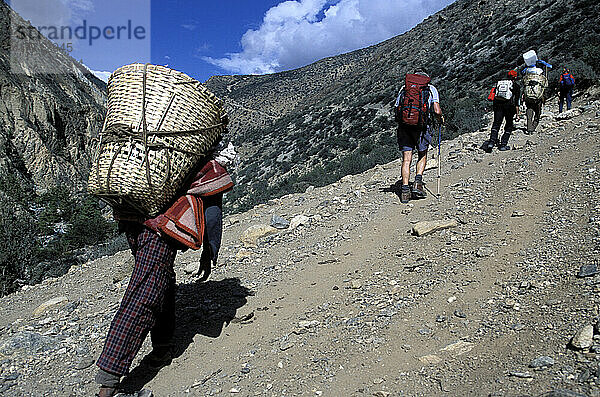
(159, 124)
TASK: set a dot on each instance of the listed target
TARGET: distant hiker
(566, 83)
(506, 96)
(149, 301)
(415, 105)
(535, 84)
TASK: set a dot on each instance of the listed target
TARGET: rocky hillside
(47, 121)
(318, 123)
(328, 293)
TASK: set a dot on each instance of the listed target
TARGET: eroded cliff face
(47, 121)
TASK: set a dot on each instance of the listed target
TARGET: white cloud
(296, 33)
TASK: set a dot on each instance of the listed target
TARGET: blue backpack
(567, 80)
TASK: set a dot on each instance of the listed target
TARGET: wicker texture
(159, 124)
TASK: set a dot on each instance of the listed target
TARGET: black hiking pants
(564, 93)
(534, 110)
(503, 112)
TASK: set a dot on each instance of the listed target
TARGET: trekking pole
(543, 93)
(439, 173)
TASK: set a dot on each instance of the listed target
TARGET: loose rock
(542, 361)
(430, 359)
(426, 227)
(84, 363)
(50, 304)
(299, 220)
(519, 374)
(190, 268)
(569, 114)
(279, 222)
(483, 252)
(27, 342)
(458, 348)
(584, 338)
(588, 270)
(250, 237)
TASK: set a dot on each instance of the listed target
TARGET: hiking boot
(159, 357)
(418, 190)
(405, 195)
(503, 147)
(107, 392)
(140, 393)
(488, 146)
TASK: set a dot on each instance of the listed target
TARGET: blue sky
(185, 31)
(205, 38)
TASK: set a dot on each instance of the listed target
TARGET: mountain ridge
(334, 131)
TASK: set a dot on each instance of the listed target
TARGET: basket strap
(112, 162)
(145, 138)
(98, 160)
(145, 128)
(144, 123)
(164, 115)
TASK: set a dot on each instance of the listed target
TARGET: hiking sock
(107, 379)
(418, 178)
(405, 194)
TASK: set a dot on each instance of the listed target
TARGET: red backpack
(414, 104)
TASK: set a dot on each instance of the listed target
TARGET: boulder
(569, 114)
(50, 304)
(584, 338)
(425, 227)
(250, 237)
(299, 220)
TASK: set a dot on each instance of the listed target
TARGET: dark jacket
(516, 97)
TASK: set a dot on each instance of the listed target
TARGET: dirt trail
(351, 304)
(384, 354)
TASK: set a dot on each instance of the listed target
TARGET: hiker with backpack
(566, 83)
(506, 101)
(416, 108)
(535, 84)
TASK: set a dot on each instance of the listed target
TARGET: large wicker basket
(159, 124)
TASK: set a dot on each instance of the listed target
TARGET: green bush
(32, 250)
(57, 206)
(87, 225)
(20, 246)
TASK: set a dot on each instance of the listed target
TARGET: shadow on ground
(393, 188)
(201, 309)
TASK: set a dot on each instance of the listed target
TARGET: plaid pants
(148, 304)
